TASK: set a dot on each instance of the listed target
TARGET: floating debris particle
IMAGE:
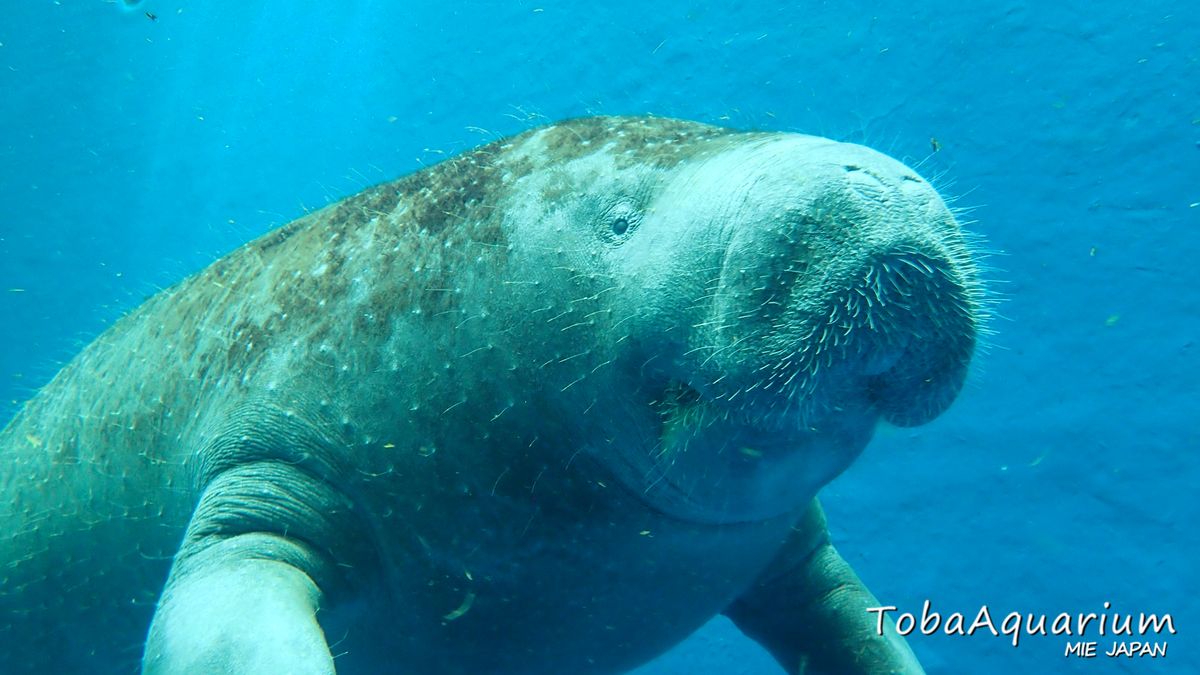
(463, 608)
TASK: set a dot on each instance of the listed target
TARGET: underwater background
(139, 141)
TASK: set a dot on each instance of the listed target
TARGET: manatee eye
(619, 221)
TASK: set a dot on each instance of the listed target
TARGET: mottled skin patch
(552, 403)
(657, 142)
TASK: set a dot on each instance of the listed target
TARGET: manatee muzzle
(913, 322)
(892, 330)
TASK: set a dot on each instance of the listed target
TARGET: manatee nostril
(867, 185)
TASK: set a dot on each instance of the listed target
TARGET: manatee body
(545, 407)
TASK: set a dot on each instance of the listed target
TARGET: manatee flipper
(809, 610)
(246, 585)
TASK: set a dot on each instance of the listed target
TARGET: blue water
(135, 150)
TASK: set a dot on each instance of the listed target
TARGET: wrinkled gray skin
(546, 407)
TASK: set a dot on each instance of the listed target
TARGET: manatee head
(752, 305)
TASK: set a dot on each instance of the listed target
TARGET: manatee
(545, 407)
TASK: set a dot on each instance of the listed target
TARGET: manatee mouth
(883, 360)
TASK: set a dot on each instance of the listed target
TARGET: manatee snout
(856, 291)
